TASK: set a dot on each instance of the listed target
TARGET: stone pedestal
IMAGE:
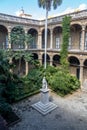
(84, 86)
(44, 96)
(44, 106)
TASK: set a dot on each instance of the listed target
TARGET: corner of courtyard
(70, 114)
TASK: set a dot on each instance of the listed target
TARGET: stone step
(44, 108)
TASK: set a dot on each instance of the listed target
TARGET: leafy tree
(18, 55)
(64, 49)
(18, 37)
(46, 4)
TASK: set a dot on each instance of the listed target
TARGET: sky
(13, 7)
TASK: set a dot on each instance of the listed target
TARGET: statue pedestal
(44, 96)
(44, 106)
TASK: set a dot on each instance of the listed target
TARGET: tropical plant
(18, 37)
(46, 4)
(19, 54)
(8, 81)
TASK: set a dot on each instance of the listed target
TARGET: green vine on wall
(64, 48)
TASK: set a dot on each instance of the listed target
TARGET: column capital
(51, 30)
(9, 29)
(83, 27)
(40, 33)
(26, 30)
(81, 60)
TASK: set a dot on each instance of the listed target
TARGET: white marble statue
(44, 83)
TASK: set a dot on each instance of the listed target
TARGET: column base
(44, 108)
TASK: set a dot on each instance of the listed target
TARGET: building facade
(77, 49)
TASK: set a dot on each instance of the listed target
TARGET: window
(6, 45)
(57, 43)
(86, 41)
(80, 39)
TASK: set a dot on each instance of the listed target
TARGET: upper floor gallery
(77, 39)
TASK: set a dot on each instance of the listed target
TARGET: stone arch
(17, 26)
(74, 66)
(35, 56)
(3, 37)
(75, 36)
(43, 38)
(85, 63)
(16, 69)
(47, 58)
(76, 23)
(74, 61)
(56, 60)
(34, 28)
(34, 33)
(85, 70)
(57, 37)
(44, 29)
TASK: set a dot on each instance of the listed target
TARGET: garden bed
(11, 118)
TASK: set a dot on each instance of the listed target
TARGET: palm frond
(56, 3)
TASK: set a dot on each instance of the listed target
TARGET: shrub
(63, 83)
(5, 108)
(34, 79)
(50, 71)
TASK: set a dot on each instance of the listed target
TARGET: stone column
(81, 72)
(26, 65)
(9, 39)
(40, 58)
(81, 75)
(51, 42)
(10, 61)
(83, 38)
(26, 46)
(39, 40)
(51, 60)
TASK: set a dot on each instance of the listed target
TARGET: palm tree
(46, 4)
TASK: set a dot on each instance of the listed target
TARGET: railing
(33, 46)
(43, 46)
(36, 47)
(74, 47)
(6, 17)
(74, 15)
(18, 47)
(4, 46)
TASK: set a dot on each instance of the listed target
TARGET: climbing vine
(64, 48)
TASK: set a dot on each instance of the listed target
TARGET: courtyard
(70, 114)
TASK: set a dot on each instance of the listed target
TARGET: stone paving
(71, 113)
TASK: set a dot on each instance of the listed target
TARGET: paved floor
(71, 113)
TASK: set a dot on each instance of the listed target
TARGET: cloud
(70, 10)
(17, 13)
(82, 7)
